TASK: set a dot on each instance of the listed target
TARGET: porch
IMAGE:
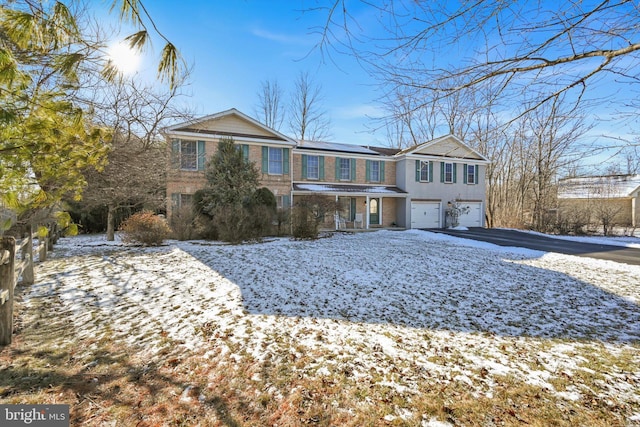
(356, 207)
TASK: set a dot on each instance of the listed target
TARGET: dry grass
(108, 383)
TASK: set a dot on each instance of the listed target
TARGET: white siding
(232, 124)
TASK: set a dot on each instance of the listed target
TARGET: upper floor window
(313, 167)
(374, 171)
(424, 171)
(345, 169)
(188, 155)
(470, 174)
(275, 160)
(449, 172)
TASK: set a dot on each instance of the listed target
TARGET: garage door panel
(425, 215)
(473, 218)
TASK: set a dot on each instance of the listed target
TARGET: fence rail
(12, 269)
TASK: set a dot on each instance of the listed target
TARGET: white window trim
(371, 178)
(424, 163)
(450, 181)
(195, 144)
(281, 161)
(474, 181)
(348, 160)
(317, 168)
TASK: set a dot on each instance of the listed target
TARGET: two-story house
(374, 186)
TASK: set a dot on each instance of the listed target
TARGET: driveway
(547, 244)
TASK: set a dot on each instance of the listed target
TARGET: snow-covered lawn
(402, 309)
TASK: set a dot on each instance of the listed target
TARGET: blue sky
(235, 45)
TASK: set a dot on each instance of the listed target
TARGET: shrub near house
(146, 228)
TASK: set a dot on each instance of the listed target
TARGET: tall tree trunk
(111, 223)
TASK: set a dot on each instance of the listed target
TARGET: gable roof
(608, 186)
(232, 123)
(448, 146)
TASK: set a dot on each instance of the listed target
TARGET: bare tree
(307, 118)
(270, 109)
(536, 49)
(134, 176)
(554, 132)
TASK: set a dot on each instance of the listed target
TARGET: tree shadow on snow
(420, 283)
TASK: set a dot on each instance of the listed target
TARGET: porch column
(366, 213)
(336, 215)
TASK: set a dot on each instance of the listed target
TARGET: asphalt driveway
(541, 243)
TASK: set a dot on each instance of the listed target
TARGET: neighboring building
(614, 195)
(374, 186)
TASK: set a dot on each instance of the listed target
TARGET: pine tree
(237, 208)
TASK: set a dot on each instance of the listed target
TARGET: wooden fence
(12, 268)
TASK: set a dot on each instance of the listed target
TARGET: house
(373, 186)
(617, 196)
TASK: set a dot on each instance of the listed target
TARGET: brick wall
(330, 170)
(188, 182)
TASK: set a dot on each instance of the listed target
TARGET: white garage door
(473, 218)
(425, 215)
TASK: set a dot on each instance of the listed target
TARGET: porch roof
(348, 189)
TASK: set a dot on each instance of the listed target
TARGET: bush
(183, 222)
(308, 213)
(232, 224)
(283, 221)
(145, 227)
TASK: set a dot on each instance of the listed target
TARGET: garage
(425, 215)
(473, 218)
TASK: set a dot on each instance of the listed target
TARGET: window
(283, 202)
(181, 200)
(313, 167)
(244, 148)
(424, 171)
(471, 174)
(275, 161)
(448, 172)
(188, 155)
(374, 171)
(345, 169)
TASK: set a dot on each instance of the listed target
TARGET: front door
(374, 211)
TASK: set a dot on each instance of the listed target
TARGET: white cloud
(293, 39)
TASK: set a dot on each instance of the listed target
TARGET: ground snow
(437, 307)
